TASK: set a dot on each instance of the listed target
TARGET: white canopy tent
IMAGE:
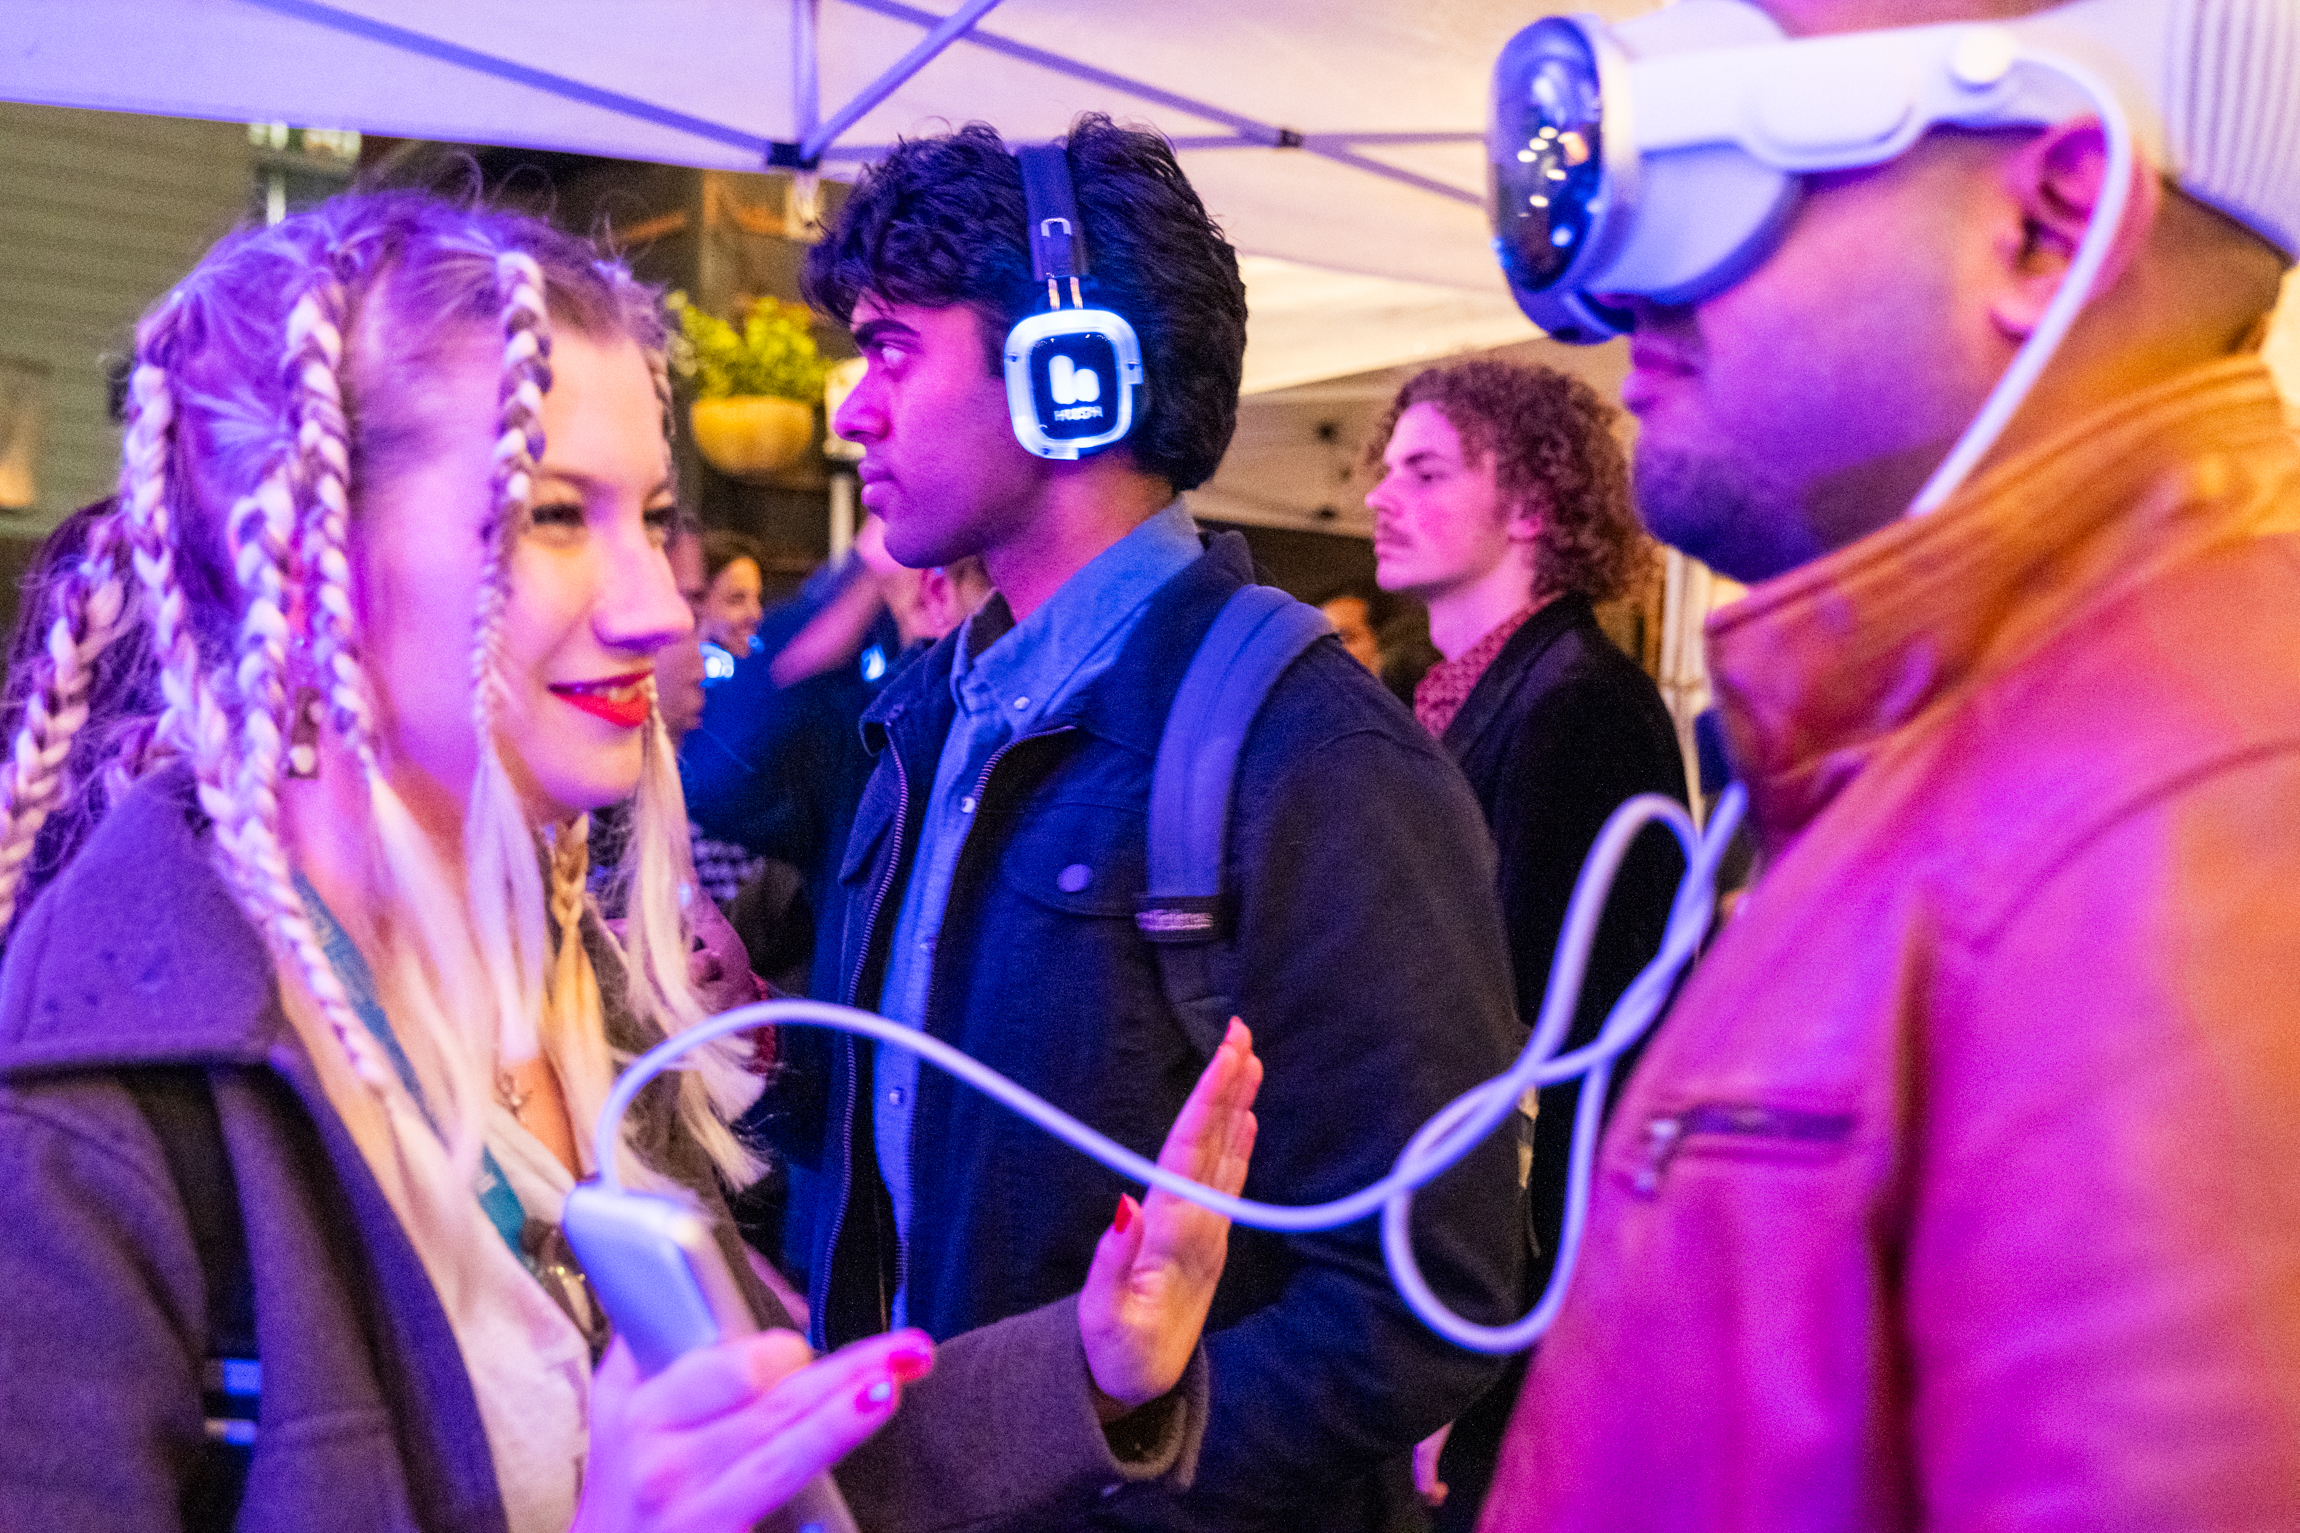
(1336, 140)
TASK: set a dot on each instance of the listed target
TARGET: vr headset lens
(1548, 180)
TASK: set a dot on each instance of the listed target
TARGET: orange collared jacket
(1962, 1189)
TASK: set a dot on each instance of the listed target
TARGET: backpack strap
(1185, 914)
(180, 1105)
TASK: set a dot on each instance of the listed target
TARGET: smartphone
(657, 1270)
(659, 1273)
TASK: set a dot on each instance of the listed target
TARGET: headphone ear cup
(1073, 381)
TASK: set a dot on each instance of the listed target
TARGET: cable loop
(1452, 1132)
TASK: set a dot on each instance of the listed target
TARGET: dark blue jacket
(1371, 965)
(778, 770)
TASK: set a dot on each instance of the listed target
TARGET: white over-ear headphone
(1073, 375)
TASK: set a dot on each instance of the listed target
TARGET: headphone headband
(1057, 245)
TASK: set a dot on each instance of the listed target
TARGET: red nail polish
(873, 1398)
(910, 1364)
(1125, 1215)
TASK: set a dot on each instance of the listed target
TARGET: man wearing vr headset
(997, 864)
(1959, 1191)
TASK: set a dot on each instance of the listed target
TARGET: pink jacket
(1962, 1189)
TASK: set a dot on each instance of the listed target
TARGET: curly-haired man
(1505, 507)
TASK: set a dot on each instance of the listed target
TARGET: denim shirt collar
(1018, 670)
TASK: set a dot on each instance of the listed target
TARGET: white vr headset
(1661, 158)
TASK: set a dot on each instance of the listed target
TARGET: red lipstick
(624, 701)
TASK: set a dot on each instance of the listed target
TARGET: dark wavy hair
(1551, 439)
(943, 221)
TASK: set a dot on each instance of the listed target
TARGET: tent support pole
(422, 45)
(947, 31)
(806, 66)
(1330, 146)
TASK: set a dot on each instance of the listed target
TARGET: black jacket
(1372, 969)
(1558, 732)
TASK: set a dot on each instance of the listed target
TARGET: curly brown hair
(1551, 440)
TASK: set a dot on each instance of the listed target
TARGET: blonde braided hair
(247, 822)
(89, 607)
(323, 461)
(234, 527)
(507, 895)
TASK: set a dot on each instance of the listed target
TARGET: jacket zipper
(1666, 1133)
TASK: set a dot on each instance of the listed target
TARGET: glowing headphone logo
(1072, 384)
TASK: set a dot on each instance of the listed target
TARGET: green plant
(772, 353)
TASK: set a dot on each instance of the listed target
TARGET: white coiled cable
(1436, 1146)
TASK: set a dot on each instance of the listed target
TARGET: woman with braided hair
(305, 735)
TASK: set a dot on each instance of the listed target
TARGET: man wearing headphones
(1055, 346)
(1959, 1191)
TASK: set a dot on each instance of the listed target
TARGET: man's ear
(2055, 182)
(1526, 518)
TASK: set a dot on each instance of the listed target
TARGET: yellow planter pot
(752, 436)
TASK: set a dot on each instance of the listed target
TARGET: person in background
(734, 581)
(993, 875)
(371, 621)
(776, 764)
(1504, 507)
(1359, 611)
(923, 605)
(721, 965)
(722, 868)
(1958, 1191)
(679, 681)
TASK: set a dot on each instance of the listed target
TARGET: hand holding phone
(738, 1436)
(657, 1270)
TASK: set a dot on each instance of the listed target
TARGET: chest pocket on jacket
(1737, 1129)
(1080, 859)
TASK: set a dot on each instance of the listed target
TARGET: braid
(314, 373)
(191, 722)
(89, 605)
(570, 868)
(507, 898)
(88, 608)
(248, 838)
(518, 444)
(570, 871)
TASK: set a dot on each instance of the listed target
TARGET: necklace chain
(508, 1093)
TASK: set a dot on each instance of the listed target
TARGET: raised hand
(729, 1434)
(1156, 1266)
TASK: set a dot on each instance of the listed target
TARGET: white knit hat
(2215, 86)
